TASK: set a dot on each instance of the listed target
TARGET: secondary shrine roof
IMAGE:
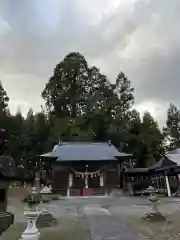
(164, 162)
(170, 161)
(85, 151)
(174, 158)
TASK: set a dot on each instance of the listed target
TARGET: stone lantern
(46, 219)
(45, 194)
(154, 214)
(31, 213)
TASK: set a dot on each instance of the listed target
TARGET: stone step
(6, 220)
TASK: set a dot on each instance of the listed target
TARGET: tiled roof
(174, 151)
(174, 158)
(164, 162)
(85, 151)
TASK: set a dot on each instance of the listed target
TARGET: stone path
(103, 226)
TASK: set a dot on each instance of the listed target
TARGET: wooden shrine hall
(86, 168)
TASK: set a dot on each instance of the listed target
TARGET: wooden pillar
(179, 177)
(124, 178)
(157, 181)
(130, 163)
(167, 185)
(119, 174)
(160, 180)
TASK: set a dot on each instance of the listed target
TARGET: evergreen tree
(41, 133)
(172, 129)
(4, 101)
(152, 140)
(65, 91)
(121, 104)
(16, 132)
(125, 94)
(82, 104)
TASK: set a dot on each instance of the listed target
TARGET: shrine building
(86, 168)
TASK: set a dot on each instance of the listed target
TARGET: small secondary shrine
(86, 168)
(164, 176)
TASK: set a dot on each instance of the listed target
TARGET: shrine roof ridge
(85, 151)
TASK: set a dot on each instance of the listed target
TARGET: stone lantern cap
(150, 189)
(45, 190)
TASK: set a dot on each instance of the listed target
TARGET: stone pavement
(103, 226)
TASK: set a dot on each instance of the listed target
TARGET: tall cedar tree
(172, 129)
(82, 104)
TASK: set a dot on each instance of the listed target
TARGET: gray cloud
(139, 37)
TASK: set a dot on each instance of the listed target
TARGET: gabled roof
(85, 151)
(164, 162)
(174, 158)
(170, 161)
(174, 151)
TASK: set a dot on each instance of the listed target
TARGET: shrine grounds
(72, 221)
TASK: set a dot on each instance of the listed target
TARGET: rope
(87, 173)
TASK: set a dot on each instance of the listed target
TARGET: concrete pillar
(70, 183)
(101, 179)
(168, 186)
(105, 180)
(68, 192)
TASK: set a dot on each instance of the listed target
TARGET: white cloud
(4, 26)
(157, 108)
(139, 37)
(16, 104)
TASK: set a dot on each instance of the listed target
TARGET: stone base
(46, 219)
(154, 217)
(26, 236)
(54, 197)
(117, 193)
(45, 200)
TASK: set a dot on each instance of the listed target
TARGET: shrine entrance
(86, 179)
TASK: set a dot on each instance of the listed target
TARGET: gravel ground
(133, 215)
(128, 210)
(67, 229)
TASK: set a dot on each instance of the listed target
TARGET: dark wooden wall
(60, 176)
(112, 180)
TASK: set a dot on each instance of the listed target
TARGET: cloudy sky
(139, 37)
